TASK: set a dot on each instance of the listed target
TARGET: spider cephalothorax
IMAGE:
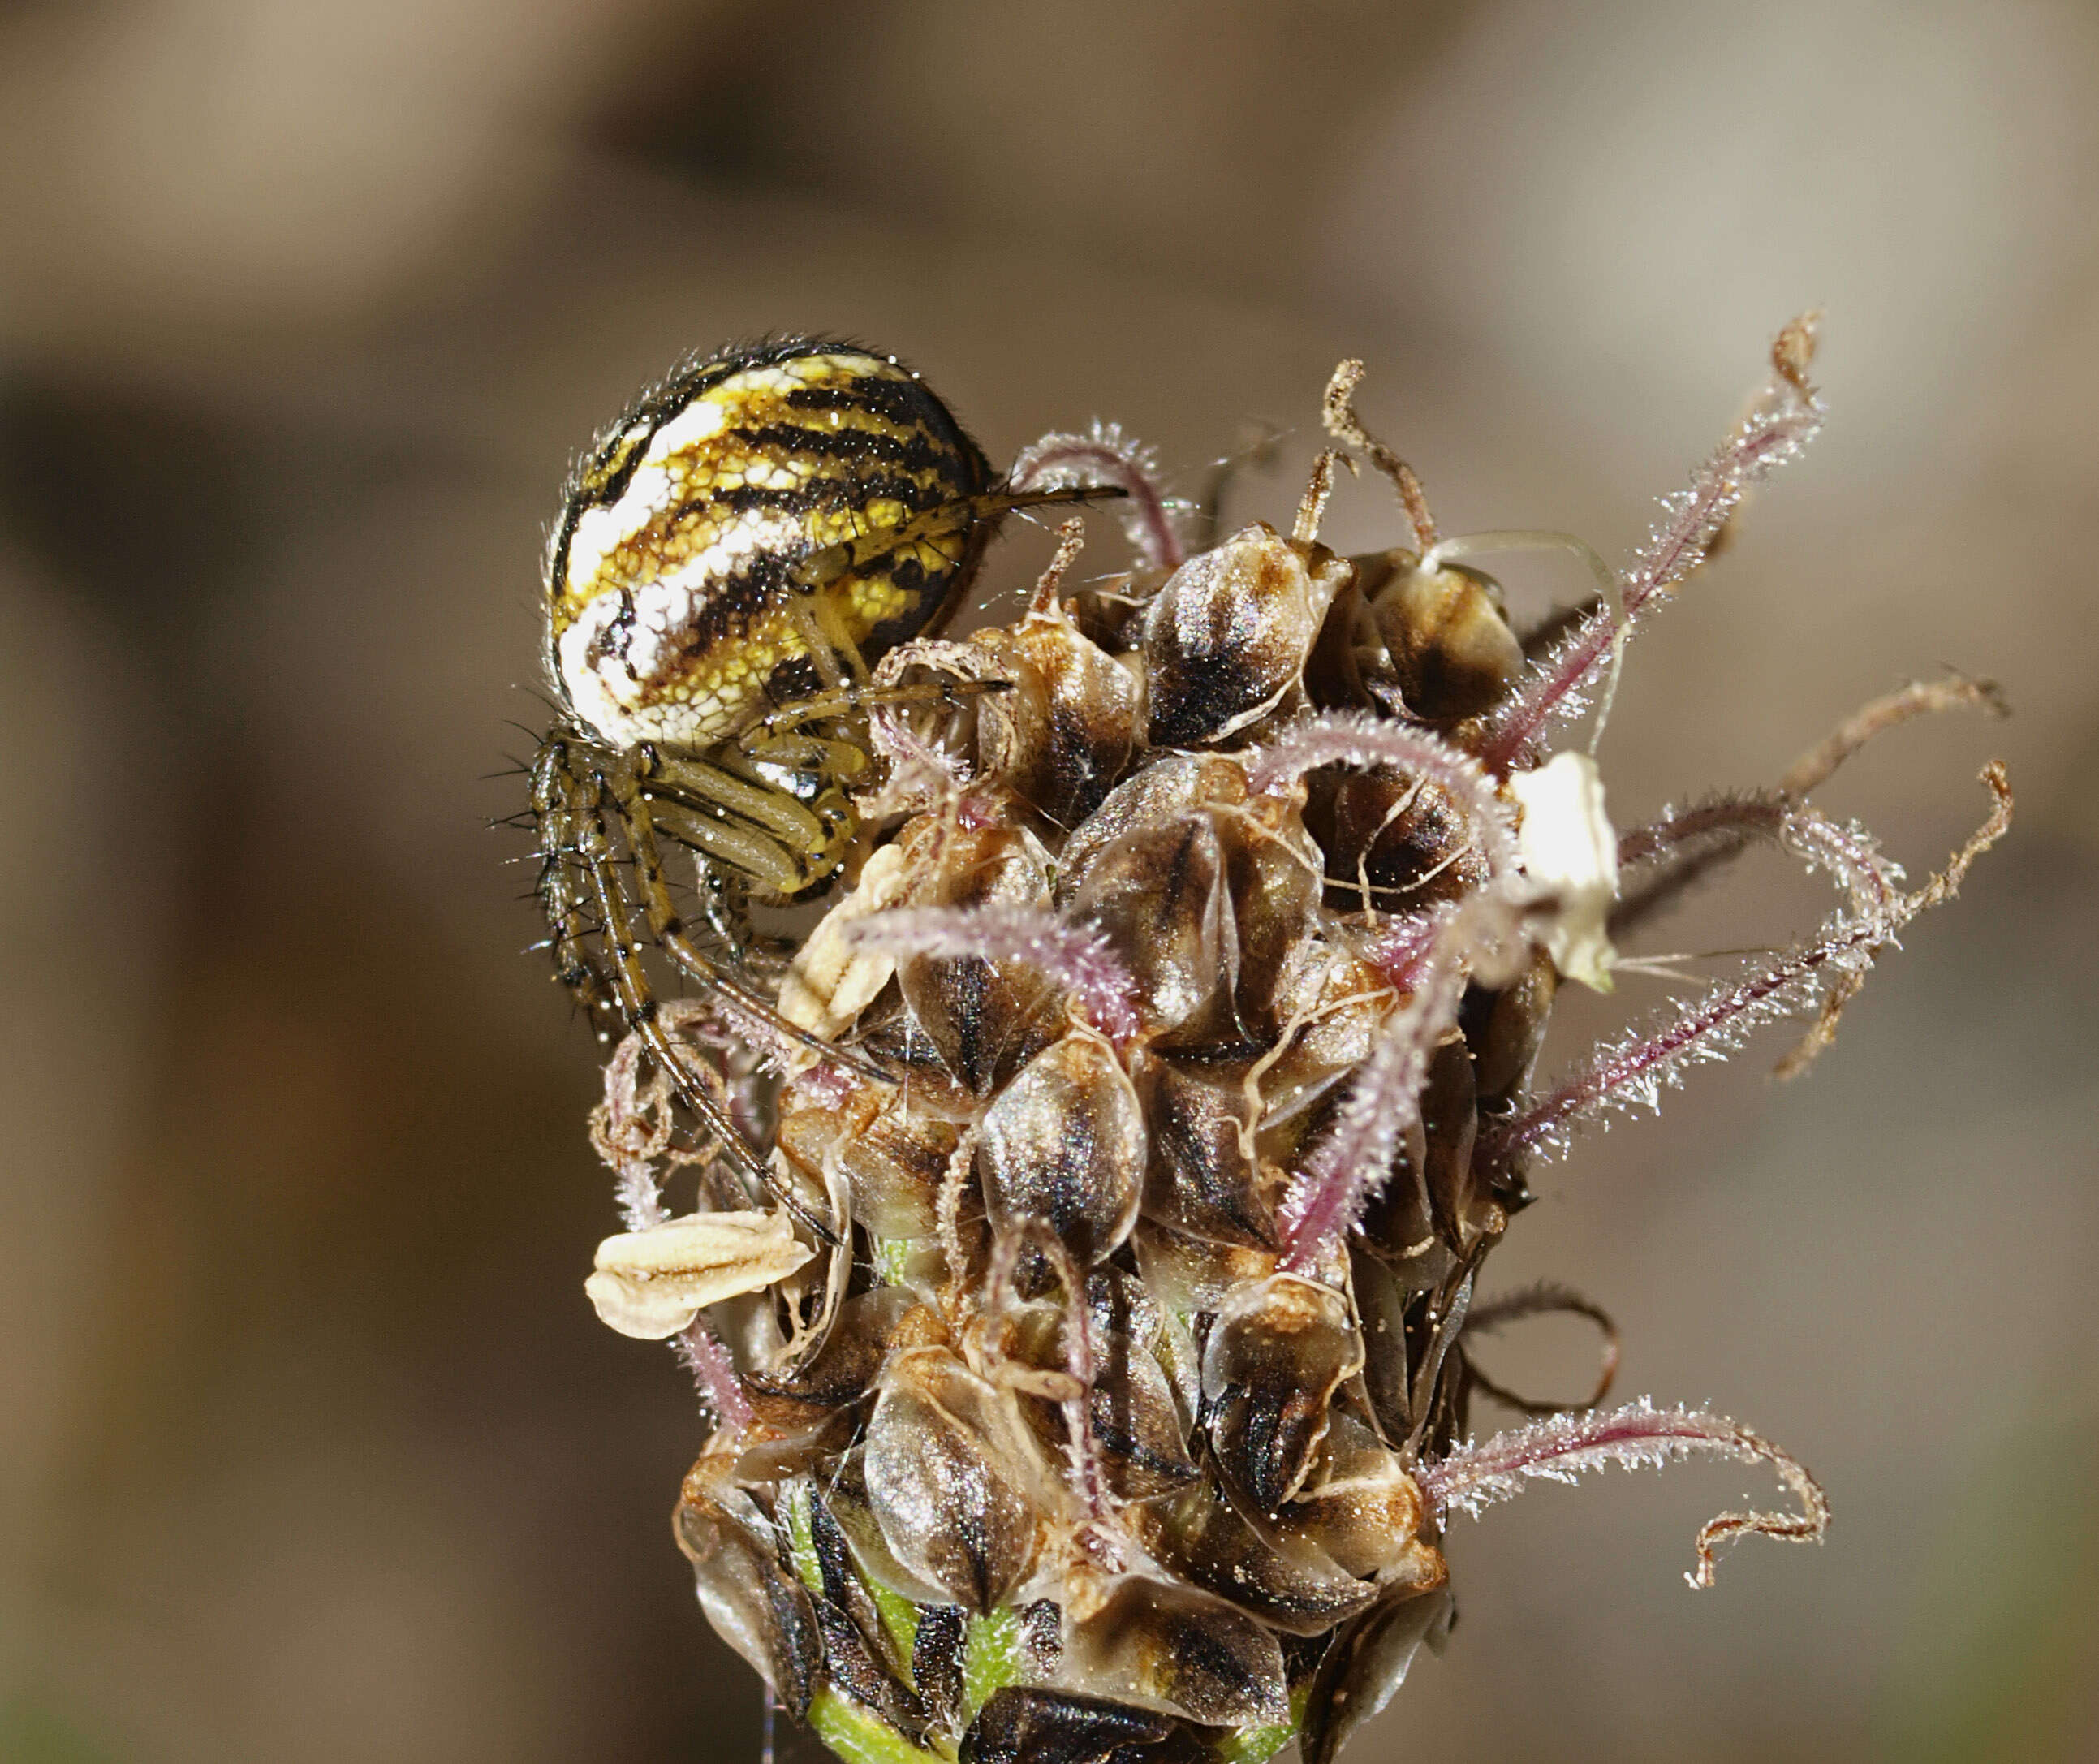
(733, 556)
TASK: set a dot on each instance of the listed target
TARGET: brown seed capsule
(1288, 1582)
(954, 1479)
(1381, 1307)
(936, 1663)
(1275, 1356)
(1205, 895)
(1392, 843)
(1510, 1032)
(1201, 1180)
(1431, 1191)
(846, 1500)
(983, 1021)
(1365, 1666)
(859, 1650)
(1030, 1726)
(1188, 1276)
(1450, 1124)
(1139, 1428)
(844, 1371)
(891, 1149)
(1172, 786)
(1064, 735)
(1362, 1509)
(1065, 1144)
(754, 1605)
(1225, 639)
(1446, 648)
(1176, 1649)
(1332, 1010)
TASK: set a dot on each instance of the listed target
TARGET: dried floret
(652, 1284)
(1064, 1145)
(1567, 848)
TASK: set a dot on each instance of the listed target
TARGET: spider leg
(639, 1004)
(565, 896)
(668, 928)
(945, 531)
(751, 828)
(764, 737)
(581, 876)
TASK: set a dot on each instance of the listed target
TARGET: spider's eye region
(753, 511)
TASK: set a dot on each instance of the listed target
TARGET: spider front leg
(953, 532)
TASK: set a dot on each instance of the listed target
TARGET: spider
(733, 555)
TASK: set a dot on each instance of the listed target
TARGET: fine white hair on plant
(1825, 971)
(1637, 1435)
(701, 1352)
(1782, 423)
(1351, 1163)
(1690, 840)
(1682, 847)
(1851, 858)
(1357, 738)
(1076, 957)
(1106, 457)
(1398, 946)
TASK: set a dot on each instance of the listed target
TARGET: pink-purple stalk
(1782, 420)
(1107, 458)
(1076, 957)
(1824, 971)
(1636, 1435)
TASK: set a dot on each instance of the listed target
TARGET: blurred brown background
(313, 1449)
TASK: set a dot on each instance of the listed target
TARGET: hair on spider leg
(547, 702)
(591, 901)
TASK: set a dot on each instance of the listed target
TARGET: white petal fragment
(832, 981)
(1569, 851)
(652, 1284)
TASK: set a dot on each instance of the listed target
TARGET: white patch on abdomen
(602, 530)
(621, 690)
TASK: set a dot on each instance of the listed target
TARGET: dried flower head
(1095, 1383)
